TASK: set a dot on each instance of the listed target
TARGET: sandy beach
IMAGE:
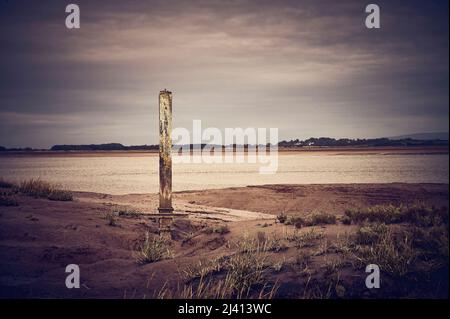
(39, 237)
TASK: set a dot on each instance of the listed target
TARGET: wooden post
(165, 163)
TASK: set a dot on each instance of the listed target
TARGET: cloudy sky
(310, 68)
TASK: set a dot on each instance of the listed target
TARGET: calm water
(139, 174)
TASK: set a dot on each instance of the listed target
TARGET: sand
(39, 238)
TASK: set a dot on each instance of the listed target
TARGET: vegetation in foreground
(408, 243)
(37, 188)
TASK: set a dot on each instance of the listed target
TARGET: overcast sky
(310, 68)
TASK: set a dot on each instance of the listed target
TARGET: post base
(166, 210)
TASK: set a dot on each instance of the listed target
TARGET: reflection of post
(165, 148)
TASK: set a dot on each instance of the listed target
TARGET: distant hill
(423, 136)
(422, 139)
(371, 142)
(103, 147)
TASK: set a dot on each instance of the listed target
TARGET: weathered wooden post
(165, 163)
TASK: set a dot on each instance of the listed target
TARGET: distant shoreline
(384, 150)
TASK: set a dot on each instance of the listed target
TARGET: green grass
(153, 249)
(419, 215)
(311, 220)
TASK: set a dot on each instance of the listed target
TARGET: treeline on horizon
(311, 142)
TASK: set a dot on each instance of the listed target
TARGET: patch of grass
(346, 220)
(244, 276)
(396, 256)
(371, 234)
(153, 249)
(303, 239)
(329, 286)
(111, 219)
(322, 219)
(42, 189)
(311, 220)
(221, 229)
(123, 211)
(226, 288)
(282, 218)
(419, 215)
(60, 195)
(204, 268)
(302, 260)
(261, 243)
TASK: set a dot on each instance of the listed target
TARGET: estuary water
(139, 173)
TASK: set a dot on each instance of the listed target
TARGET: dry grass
(311, 220)
(240, 275)
(42, 189)
(302, 239)
(111, 219)
(125, 211)
(413, 253)
(261, 243)
(153, 249)
(220, 229)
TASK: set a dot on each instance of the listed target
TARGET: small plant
(313, 220)
(259, 244)
(153, 249)
(123, 211)
(204, 267)
(305, 239)
(111, 218)
(346, 220)
(221, 229)
(282, 218)
(60, 195)
(371, 234)
(302, 260)
(322, 218)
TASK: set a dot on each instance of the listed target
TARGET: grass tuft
(111, 218)
(42, 189)
(153, 249)
(221, 229)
